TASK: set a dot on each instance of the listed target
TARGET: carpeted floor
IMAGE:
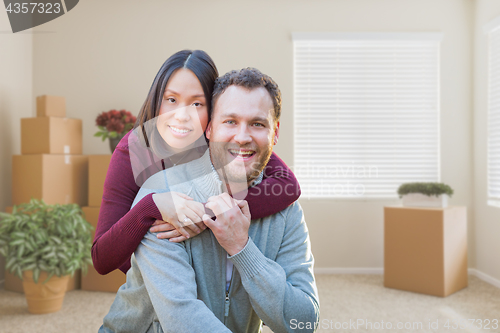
(359, 303)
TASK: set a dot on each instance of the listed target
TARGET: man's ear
(276, 133)
(208, 131)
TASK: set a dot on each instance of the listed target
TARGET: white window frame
(492, 30)
(300, 41)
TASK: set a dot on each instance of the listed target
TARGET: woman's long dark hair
(197, 61)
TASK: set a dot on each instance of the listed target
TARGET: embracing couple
(200, 156)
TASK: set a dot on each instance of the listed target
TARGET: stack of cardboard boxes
(51, 166)
(98, 167)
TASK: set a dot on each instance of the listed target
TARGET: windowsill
(303, 197)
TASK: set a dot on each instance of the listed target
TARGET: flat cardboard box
(94, 281)
(51, 135)
(50, 106)
(59, 179)
(425, 249)
(98, 168)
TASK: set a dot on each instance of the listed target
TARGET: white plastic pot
(422, 200)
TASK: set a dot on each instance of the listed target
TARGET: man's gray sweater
(181, 287)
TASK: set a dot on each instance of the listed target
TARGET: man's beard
(233, 169)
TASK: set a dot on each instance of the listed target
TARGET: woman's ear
(208, 131)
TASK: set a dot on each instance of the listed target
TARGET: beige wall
(105, 54)
(16, 101)
(487, 218)
(350, 233)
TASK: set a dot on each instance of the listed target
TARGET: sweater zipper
(228, 290)
(226, 305)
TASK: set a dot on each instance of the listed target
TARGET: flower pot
(44, 297)
(113, 142)
(422, 200)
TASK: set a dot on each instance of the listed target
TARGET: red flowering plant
(114, 124)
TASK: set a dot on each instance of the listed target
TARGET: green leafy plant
(40, 237)
(428, 189)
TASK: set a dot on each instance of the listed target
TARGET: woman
(120, 228)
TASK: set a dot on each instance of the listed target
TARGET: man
(240, 272)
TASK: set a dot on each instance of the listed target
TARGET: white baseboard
(348, 270)
(376, 270)
(485, 277)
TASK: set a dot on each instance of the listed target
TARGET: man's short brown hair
(249, 78)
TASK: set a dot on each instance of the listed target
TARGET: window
(366, 112)
(493, 151)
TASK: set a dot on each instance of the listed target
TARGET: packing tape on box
(67, 159)
(66, 149)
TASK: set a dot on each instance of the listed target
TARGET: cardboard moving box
(54, 178)
(98, 168)
(50, 106)
(111, 282)
(91, 214)
(94, 281)
(425, 249)
(51, 135)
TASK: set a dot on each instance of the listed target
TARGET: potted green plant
(43, 245)
(113, 125)
(429, 194)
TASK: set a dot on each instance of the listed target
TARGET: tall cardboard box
(425, 249)
(98, 168)
(14, 283)
(54, 178)
(50, 106)
(94, 281)
(51, 135)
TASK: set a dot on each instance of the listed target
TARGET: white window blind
(493, 151)
(366, 112)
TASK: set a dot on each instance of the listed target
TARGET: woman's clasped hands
(182, 216)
